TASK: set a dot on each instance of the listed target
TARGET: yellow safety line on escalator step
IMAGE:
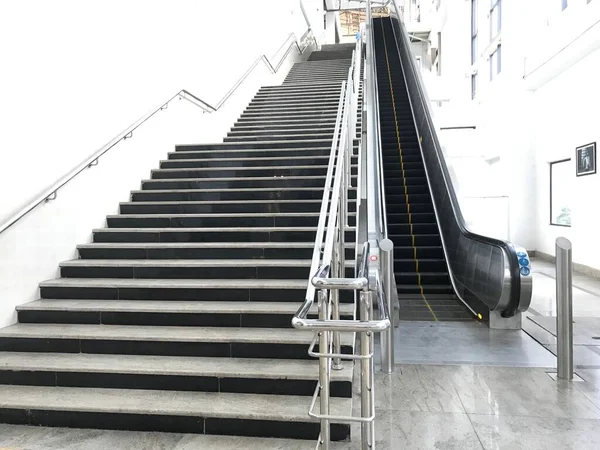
(404, 175)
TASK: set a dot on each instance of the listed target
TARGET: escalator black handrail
(508, 249)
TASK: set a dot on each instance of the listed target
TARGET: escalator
(443, 271)
(424, 288)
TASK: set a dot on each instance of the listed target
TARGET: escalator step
(423, 252)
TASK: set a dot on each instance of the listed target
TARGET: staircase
(424, 288)
(177, 316)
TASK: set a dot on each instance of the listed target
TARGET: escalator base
(433, 308)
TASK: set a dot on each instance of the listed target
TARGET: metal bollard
(387, 337)
(366, 373)
(324, 372)
(564, 308)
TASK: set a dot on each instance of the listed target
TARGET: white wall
(75, 74)
(566, 117)
(538, 109)
(492, 165)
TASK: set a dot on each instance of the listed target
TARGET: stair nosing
(285, 408)
(168, 365)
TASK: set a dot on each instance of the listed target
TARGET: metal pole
(366, 373)
(335, 309)
(324, 372)
(564, 308)
(387, 337)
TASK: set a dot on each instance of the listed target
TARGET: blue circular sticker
(522, 254)
(524, 262)
(525, 271)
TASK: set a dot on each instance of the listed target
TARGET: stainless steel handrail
(267, 62)
(300, 316)
(360, 283)
(327, 278)
(51, 192)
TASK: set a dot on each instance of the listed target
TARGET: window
(496, 62)
(495, 18)
(473, 31)
(565, 3)
(473, 86)
(560, 209)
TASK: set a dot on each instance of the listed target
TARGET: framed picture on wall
(586, 159)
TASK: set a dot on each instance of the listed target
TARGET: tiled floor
(586, 292)
(478, 407)
(467, 343)
(419, 407)
(540, 321)
(492, 392)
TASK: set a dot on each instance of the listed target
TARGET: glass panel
(473, 50)
(560, 186)
(473, 85)
(499, 59)
(495, 62)
(495, 20)
(473, 18)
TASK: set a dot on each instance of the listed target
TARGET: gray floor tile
(585, 329)
(520, 392)
(540, 334)
(412, 430)
(417, 388)
(534, 433)
(586, 293)
(584, 282)
(584, 357)
(466, 343)
(591, 387)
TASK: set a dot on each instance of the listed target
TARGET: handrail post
(366, 372)
(335, 312)
(324, 371)
(387, 338)
(339, 264)
(564, 309)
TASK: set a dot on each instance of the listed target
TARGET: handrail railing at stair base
(506, 290)
(339, 161)
(50, 193)
(329, 280)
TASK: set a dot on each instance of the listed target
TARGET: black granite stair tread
(161, 333)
